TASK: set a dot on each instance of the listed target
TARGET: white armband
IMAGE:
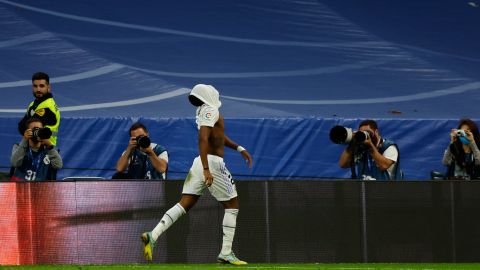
(240, 148)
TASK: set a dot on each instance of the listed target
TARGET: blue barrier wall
(281, 148)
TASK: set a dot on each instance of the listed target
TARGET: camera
(143, 141)
(344, 135)
(461, 133)
(41, 133)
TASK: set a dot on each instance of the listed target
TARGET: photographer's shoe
(148, 245)
(230, 258)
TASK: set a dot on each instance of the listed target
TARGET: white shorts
(223, 188)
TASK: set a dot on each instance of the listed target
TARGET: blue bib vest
(140, 166)
(366, 165)
(35, 166)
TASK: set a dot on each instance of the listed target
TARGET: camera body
(461, 133)
(41, 134)
(143, 141)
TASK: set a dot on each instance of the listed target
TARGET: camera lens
(361, 136)
(41, 133)
(340, 135)
(44, 133)
(143, 141)
(35, 132)
(461, 133)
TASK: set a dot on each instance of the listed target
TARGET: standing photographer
(373, 158)
(35, 157)
(142, 159)
(462, 155)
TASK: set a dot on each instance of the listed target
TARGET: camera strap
(353, 170)
(36, 160)
(131, 162)
(137, 164)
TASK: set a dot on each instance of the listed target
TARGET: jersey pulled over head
(205, 94)
(207, 100)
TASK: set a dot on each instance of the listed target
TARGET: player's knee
(188, 201)
(231, 204)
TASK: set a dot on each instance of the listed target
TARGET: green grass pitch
(343, 266)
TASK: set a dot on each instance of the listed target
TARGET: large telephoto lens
(341, 135)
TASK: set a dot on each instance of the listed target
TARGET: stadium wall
(99, 222)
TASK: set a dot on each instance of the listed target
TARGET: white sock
(167, 220)
(229, 224)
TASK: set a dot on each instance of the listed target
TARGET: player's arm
(231, 144)
(204, 147)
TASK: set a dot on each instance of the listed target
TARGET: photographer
(35, 158)
(462, 155)
(142, 159)
(371, 158)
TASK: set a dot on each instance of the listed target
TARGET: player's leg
(149, 239)
(229, 225)
(187, 201)
(224, 190)
(192, 189)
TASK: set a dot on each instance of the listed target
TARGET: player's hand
(247, 158)
(208, 177)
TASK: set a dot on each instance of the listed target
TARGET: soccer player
(208, 171)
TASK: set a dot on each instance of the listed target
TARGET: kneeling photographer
(369, 156)
(462, 156)
(35, 157)
(142, 159)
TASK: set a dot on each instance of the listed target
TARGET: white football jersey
(206, 116)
